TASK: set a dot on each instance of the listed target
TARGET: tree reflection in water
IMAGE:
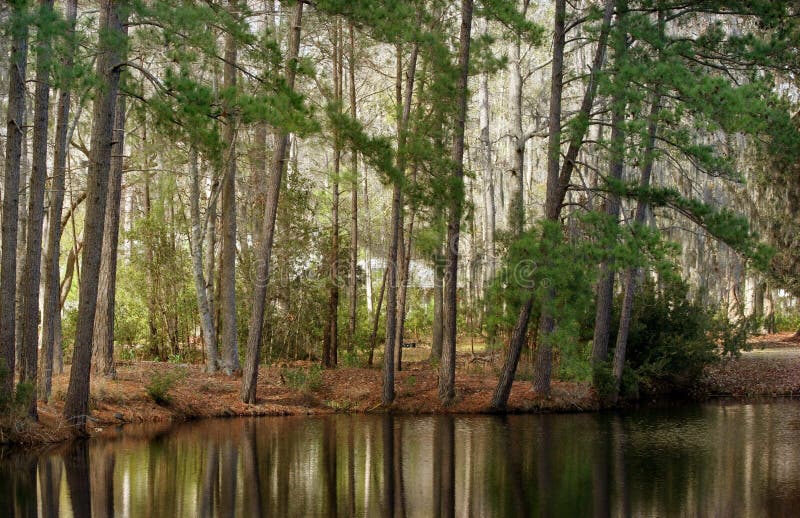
(704, 461)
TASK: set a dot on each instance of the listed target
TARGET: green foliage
(304, 379)
(161, 382)
(573, 360)
(350, 359)
(786, 321)
(674, 337)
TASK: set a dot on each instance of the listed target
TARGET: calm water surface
(710, 460)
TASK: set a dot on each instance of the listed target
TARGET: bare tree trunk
(108, 69)
(200, 286)
(397, 348)
(447, 373)
(438, 307)
(405, 263)
(353, 295)
(489, 209)
(396, 222)
(557, 182)
(230, 347)
(103, 355)
(31, 273)
(52, 304)
(15, 134)
(632, 274)
(330, 344)
(376, 318)
(264, 251)
(604, 301)
(516, 208)
(210, 258)
(22, 239)
(391, 296)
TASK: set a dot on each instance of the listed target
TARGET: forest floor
(771, 368)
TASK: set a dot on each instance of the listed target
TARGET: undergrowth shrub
(160, 384)
(673, 337)
(304, 379)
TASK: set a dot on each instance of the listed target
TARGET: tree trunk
(108, 69)
(376, 319)
(200, 286)
(438, 309)
(397, 348)
(230, 347)
(402, 298)
(631, 274)
(22, 227)
(353, 292)
(264, 251)
(557, 182)
(103, 355)
(15, 134)
(489, 209)
(31, 273)
(604, 302)
(447, 373)
(396, 223)
(330, 344)
(391, 296)
(605, 286)
(516, 207)
(51, 316)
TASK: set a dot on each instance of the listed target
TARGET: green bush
(350, 358)
(674, 337)
(160, 383)
(303, 379)
(788, 321)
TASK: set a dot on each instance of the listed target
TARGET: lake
(715, 459)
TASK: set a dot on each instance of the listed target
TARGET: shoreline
(771, 370)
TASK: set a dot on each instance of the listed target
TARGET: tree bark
(353, 291)
(230, 347)
(632, 274)
(264, 251)
(15, 134)
(557, 181)
(447, 372)
(376, 318)
(330, 344)
(52, 297)
(396, 223)
(200, 286)
(516, 208)
(391, 296)
(605, 286)
(489, 209)
(604, 302)
(402, 298)
(29, 314)
(103, 355)
(109, 65)
(438, 309)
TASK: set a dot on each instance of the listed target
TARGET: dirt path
(771, 368)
